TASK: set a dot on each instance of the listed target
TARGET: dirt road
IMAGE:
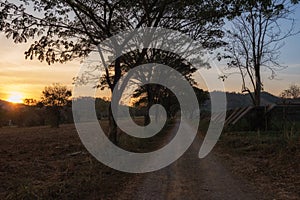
(189, 178)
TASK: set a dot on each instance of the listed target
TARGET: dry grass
(269, 161)
(47, 163)
(37, 163)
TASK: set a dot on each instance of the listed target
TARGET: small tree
(30, 102)
(292, 92)
(54, 97)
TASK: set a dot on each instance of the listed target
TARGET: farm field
(49, 163)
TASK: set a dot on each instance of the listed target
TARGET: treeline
(37, 114)
(53, 108)
(25, 116)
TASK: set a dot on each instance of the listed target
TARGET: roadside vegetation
(267, 159)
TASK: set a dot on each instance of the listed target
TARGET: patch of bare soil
(268, 162)
(46, 163)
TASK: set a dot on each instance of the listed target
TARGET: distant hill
(237, 100)
(234, 100)
(8, 105)
(3, 103)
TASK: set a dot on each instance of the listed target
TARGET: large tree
(255, 39)
(64, 30)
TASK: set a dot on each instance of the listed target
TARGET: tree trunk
(55, 117)
(149, 104)
(260, 114)
(147, 119)
(257, 91)
(112, 130)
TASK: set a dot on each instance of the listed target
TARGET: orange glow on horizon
(15, 97)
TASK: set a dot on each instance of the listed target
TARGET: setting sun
(15, 97)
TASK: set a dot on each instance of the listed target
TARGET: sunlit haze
(15, 97)
(29, 77)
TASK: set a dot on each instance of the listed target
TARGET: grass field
(47, 163)
(268, 160)
(39, 163)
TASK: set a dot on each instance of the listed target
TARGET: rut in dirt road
(189, 178)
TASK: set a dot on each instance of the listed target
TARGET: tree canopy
(56, 95)
(63, 30)
(292, 92)
(68, 29)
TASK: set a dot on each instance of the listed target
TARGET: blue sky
(290, 57)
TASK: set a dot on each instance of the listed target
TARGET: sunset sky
(27, 78)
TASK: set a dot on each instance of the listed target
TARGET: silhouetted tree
(255, 40)
(292, 92)
(30, 102)
(54, 97)
(69, 29)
